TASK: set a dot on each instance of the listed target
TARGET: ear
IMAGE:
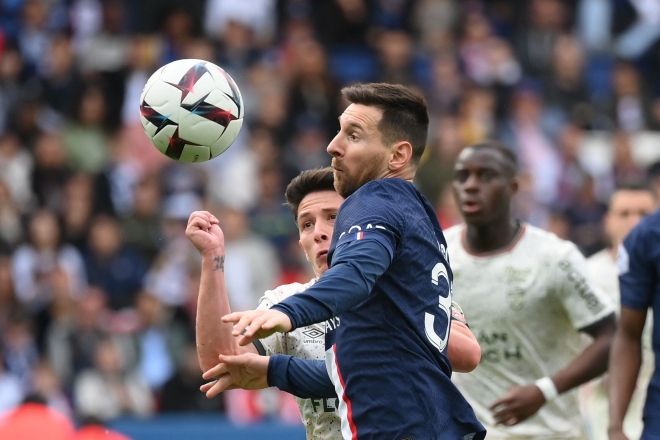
(400, 155)
(301, 247)
(514, 186)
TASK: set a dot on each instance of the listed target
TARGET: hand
(257, 324)
(520, 403)
(248, 371)
(616, 434)
(204, 232)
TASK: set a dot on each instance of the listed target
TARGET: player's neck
(493, 237)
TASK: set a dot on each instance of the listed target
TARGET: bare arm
(463, 350)
(212, 335)
(625, 361)
(521, 402)
(592, 362)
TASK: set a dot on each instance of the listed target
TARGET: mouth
(470, 207)
(322, 254)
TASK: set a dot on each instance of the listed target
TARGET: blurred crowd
(98, 282)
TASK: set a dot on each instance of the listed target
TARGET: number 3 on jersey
(439, 271)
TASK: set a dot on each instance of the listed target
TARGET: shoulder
(453, 234)
(547, 243)
(392, 189)
(646, 234)
(599, 258)
(284, 291)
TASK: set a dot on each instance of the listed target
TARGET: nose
(321, 233)
(471, 184)
(334, 147)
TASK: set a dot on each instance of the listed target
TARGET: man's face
(482, 187)
(627, 208)
(358, 152)
(316, 221)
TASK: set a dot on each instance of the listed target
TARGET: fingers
(223, 383)
(207, 386)
(233, 317)
(501, 402)
(216, 371)
(202, 219)
(240, 360)
(245, 323)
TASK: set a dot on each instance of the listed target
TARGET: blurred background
(98, 282)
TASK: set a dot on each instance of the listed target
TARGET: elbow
(472, 357)
(467, 358)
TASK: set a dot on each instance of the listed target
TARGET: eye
(460, 176)
(487, 175)
(306, 225)
(353, 137)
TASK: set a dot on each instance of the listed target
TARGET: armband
(547, 387)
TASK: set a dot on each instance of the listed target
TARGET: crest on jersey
(515, 298)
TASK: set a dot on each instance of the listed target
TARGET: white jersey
(318, 415)
(525, 305)
(593, 396)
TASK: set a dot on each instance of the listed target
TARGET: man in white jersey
(628, 205)
(529, 298)
(314, 204)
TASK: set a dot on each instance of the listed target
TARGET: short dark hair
(507, 153)
(319, 179)
(633, 185)
(405, 117)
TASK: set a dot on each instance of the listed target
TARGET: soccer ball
(191, 110)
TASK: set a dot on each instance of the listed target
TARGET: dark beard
(349, 184)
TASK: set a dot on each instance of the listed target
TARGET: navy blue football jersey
(639, 280)
(386, 354)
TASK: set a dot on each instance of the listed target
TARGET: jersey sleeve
(637, 276)
(273, 344)
(347, 283)
(304, 378)
(371, 214)
(584, 302)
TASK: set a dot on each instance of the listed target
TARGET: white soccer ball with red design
(191, 110)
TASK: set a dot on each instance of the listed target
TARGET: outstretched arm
(304, 378)
(213, 336)
(356, 268)
(625, 360)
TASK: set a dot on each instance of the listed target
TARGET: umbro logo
(313, 333)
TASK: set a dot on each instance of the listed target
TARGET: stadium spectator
(34, 419)
(123, 390)
(11, 389)
(111, 265)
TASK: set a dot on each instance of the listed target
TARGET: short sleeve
(368, 215)
(275, 343)
(584, 302)
(637, 276)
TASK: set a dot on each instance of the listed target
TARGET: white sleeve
(585, 303)
(275, 343)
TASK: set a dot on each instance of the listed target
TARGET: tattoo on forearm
(219, 263)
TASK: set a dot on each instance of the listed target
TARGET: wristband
(547, 387)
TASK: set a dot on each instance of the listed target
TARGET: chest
(503, 288)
